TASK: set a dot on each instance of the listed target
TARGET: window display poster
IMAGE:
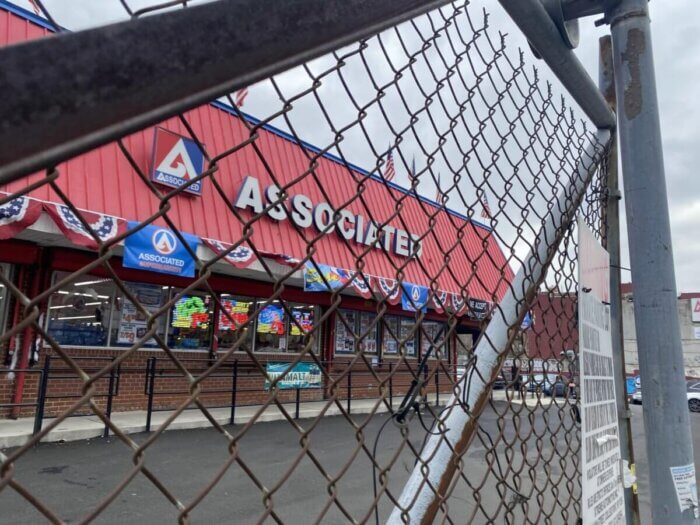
(191, 311)
(369, 343)
(410, 344)
(303, 319)
(271, 320)
(236, 310)
(344, 343)
(133, 323)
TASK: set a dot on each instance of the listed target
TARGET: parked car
(560, 388)
(636, 398)
(694, 401)
(538, 382)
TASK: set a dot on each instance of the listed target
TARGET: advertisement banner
(478, 309)
(302, 375)
(157, 249)
(176, 161)
(132, 323)
(334, 277)
(414, 297)
(271, 320)
(602, 501)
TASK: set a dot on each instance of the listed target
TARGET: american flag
(35, 7)
(486, 209)
(240, 96)
(439, 196)
(390, 170)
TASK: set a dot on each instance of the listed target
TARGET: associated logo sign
(176, 161)
(414, 297)
(158, 250)
(695, 309)
(164, 242)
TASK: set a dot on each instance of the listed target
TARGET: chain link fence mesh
(444, 116)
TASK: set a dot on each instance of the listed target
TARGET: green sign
(302, 375)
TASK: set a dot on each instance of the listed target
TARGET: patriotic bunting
(105, 227)
(390, 289)
(360, 284)
(458, 304)
(240, 257)
(438, 301)
(18, 214)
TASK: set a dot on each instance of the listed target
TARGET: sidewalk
(15, 433)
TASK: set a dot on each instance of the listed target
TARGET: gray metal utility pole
(666, 418)
(611, 242)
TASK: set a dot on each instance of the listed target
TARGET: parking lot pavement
(72, 477)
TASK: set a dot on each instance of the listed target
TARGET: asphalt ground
(72, 477)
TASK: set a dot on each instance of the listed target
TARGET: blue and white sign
(414, 297)
(157, 249)
(176, 161)
(527, 322)
(631, 385)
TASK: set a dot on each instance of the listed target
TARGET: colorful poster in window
(328, 278)
(344, 341)
(238, 313)
(271, 320)
(191, 311)
(304, 319)
(133, 323)
(301, 375)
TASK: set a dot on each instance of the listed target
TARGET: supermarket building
(42, 242)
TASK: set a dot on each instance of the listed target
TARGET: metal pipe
(611, 238)
(433, 472)
(532, 19)
(665, 408)
(88, 88)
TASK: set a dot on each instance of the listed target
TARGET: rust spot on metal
(636, 45)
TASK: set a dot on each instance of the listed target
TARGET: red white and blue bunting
(104, 227)
(240, 257)
(18, 214)
(390, 289)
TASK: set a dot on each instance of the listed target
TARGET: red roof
(104, 181)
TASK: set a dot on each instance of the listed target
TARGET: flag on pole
(35, 7)
(240, 96)
(412, 175)
(439, 195)
(486, 209)
(390, 170)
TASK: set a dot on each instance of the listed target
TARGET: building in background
(688, 306)
(43, 241)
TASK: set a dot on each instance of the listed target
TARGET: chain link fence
(473, 173)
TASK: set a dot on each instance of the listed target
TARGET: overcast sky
(675, 26)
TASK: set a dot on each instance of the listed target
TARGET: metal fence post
(611, 242)
(391, 387)
(234, 390)
(349, 388)
(39, 416)
(666, 418)
(296, 404)
(110, 396)
(437, 385)
(150, 382)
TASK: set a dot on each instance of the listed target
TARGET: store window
(390, 334)
(407, 324)
(128, 324)
(79, 313)
(345, 330)
(235, 322)
(190, 325)
(433, 338)
(370, 342)
(271, 329)
(301, 327)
